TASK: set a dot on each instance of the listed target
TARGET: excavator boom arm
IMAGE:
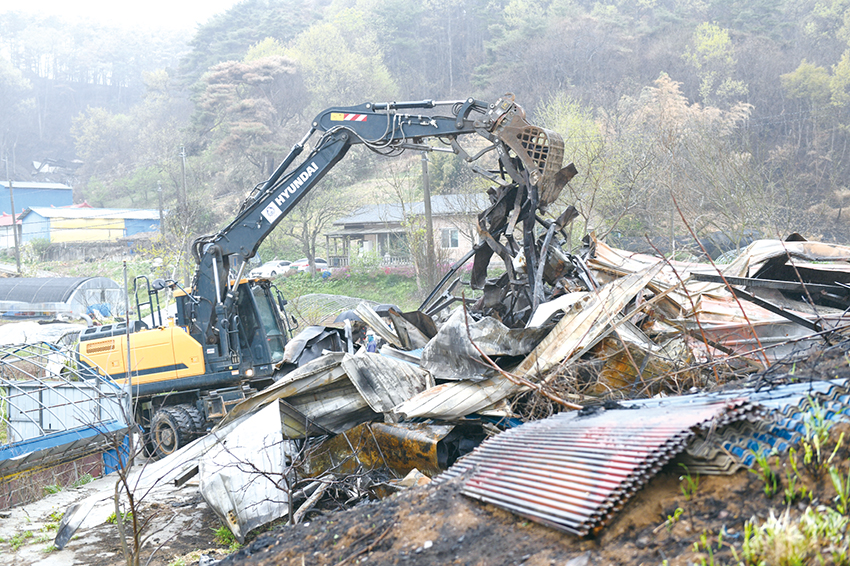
(384, 128)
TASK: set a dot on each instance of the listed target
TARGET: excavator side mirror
(158, 284)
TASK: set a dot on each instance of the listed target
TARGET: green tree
(105, 142)
(245, 104)
(818, 147)
(229, 35)
(711, 53)
(16, 101)
(342, 63)
(634, 159)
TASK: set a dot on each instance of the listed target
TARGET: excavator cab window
(275, 335)
(250, 334)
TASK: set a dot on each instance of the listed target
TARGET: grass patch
(223, 537)
(83, 480)
(382, 286)
(113, 519)
(19, 539)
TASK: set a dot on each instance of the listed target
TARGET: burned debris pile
(503, 378)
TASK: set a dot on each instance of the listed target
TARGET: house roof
(6, 219)
(441, 205)
(35, 185)
(70, 212)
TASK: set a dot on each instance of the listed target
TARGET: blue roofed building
(86, 224)
(30, 194)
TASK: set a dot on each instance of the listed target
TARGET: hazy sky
(148, 13)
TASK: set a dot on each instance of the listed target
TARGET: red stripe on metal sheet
(572, 471)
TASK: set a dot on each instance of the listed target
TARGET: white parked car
(271, 269)
(303, 265)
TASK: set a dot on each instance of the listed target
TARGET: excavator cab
(263, 330)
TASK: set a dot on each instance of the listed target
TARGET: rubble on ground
(544, 337)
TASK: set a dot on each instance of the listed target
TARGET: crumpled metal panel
(451, 355)
(336, 407)
(586, 326)
(385, 382)
(572, 470)
(239, 475)
(373, 320)
(457, 399)
(312, 376)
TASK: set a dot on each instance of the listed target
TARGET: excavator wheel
(198, 421)
(171, 428)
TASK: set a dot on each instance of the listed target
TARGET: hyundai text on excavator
(230, 331)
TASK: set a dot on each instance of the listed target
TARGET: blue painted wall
(29, 197)
(135, 226)
(34, 226)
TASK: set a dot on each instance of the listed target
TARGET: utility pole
(429, 226)
(182, 213)
(159, 194)
(183, 175)
(14, 218)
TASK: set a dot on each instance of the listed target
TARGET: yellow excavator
(230, 331)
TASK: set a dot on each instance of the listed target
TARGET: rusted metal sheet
(750, 262)
(572, 470)
(623, 371)
(398, 447)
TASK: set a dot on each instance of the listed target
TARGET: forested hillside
(735, 112)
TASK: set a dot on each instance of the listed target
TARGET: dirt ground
(432, 525)
(436, 525)
(181, 522)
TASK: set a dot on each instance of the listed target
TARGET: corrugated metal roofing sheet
(572, 470)
(35, 185)
(65, 212)
(788, 408)
(441, 205)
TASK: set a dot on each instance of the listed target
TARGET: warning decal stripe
(340, 117)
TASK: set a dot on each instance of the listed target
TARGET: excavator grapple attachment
(541, 150)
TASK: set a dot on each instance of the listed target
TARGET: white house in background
(380, 228)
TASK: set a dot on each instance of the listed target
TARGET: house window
(450, 239)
